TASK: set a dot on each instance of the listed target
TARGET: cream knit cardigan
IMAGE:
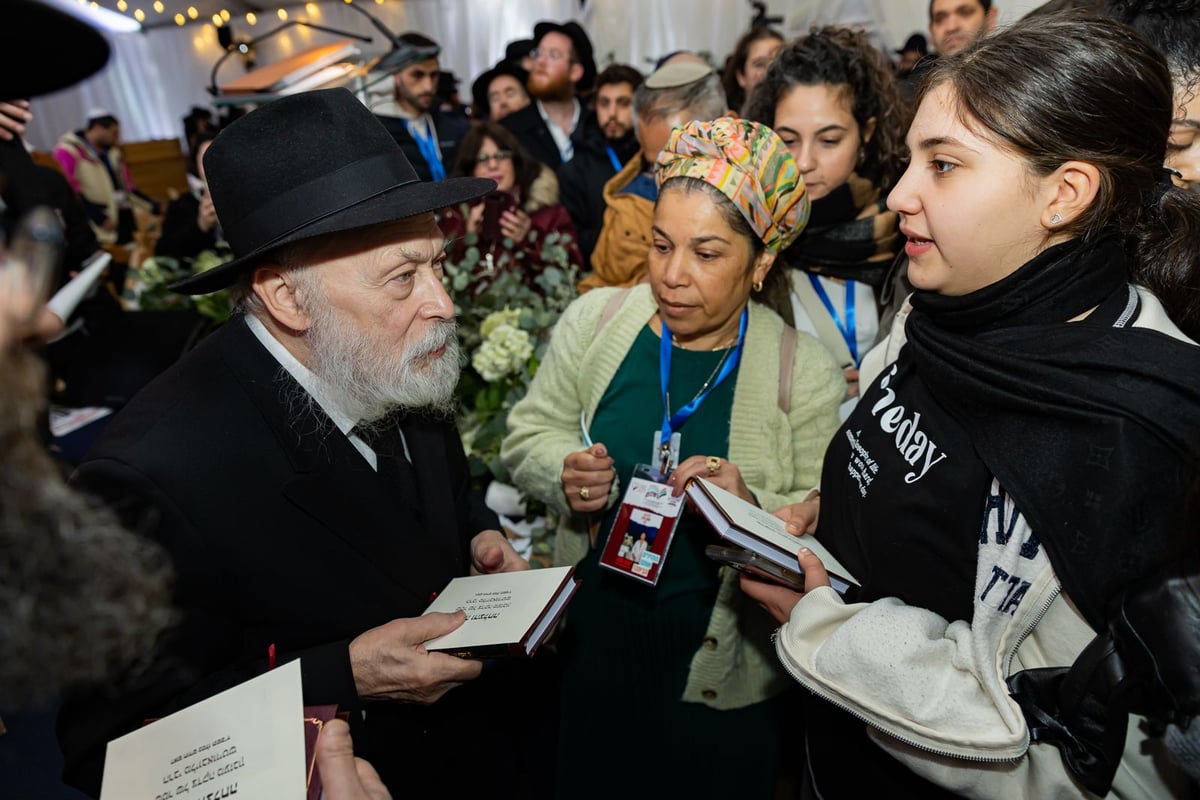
(779, 455)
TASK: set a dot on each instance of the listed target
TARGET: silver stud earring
(1056, 219)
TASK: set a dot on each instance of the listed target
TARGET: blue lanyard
(612, 157)
(429, 151)
(845, 327)
(674, 423)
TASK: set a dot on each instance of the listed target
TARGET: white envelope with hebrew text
(246, 742)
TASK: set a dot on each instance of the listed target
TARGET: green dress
(626, 646)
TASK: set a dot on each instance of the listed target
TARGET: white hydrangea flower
(505, 351)
(508, 316)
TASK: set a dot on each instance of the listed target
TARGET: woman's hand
(14, 115)
(801, 518)
(778, 600)
(475, 218)
(851, 376)
(515, 224)
(717, 470)
(587, 478)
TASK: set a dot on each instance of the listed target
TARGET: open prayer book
(753, 529)
(508, 613)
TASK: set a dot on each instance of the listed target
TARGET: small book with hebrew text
(508, 613)
(751, 528)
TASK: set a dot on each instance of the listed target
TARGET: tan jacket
(621, 257)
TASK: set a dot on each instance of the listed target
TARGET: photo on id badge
(641, 534)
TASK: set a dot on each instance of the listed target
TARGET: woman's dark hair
(1080, 87)
(736, 62)
(776, 292)
(1173, 26)
(834, 56)
(525, 167)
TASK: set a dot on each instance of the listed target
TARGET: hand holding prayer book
(753, 529)
(508, 613)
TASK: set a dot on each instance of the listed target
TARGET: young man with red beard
(302, 469)
(563, 69)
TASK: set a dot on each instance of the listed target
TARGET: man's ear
(276, 288)
(989, 23)
(576, 72)
(1069, 191)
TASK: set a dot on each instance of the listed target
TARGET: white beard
(365, 378)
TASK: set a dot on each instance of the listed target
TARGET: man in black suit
(563, 69)
(428, 135)
(604, 151)
(301, 467)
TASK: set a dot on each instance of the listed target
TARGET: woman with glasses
(512, 225)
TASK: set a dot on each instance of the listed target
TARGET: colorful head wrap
(749, 164)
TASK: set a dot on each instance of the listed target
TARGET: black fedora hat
(479, 88)
(307, 165)
(915, 43)
(583, 47)
(74, 50)
(517, 50)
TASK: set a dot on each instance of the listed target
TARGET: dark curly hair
(836, 56)
(525, 167)
(1173, 26)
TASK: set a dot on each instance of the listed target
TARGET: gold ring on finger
(584, 493)
(714, 465)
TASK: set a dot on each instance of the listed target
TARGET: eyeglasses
(498, 156)
(553, 55)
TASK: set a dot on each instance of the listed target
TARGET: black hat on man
(307, 165)
(71, 50)
(583, 48)
(915, 43)
(480, 86)
(517, 50)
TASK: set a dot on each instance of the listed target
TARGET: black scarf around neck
(850, 235)
(1093, 429)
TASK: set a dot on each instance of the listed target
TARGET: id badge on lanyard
(645, 525)
(641, 535)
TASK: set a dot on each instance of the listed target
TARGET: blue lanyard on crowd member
(427, 144)
(674, 423)
(846, 326)
(612, 157)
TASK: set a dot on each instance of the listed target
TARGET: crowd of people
(939, 312)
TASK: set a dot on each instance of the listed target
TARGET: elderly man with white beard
(302, 468)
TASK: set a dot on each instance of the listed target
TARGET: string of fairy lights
(192, 14)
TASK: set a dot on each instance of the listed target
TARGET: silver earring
(1056, 219)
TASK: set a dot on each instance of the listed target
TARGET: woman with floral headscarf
(755, 404)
